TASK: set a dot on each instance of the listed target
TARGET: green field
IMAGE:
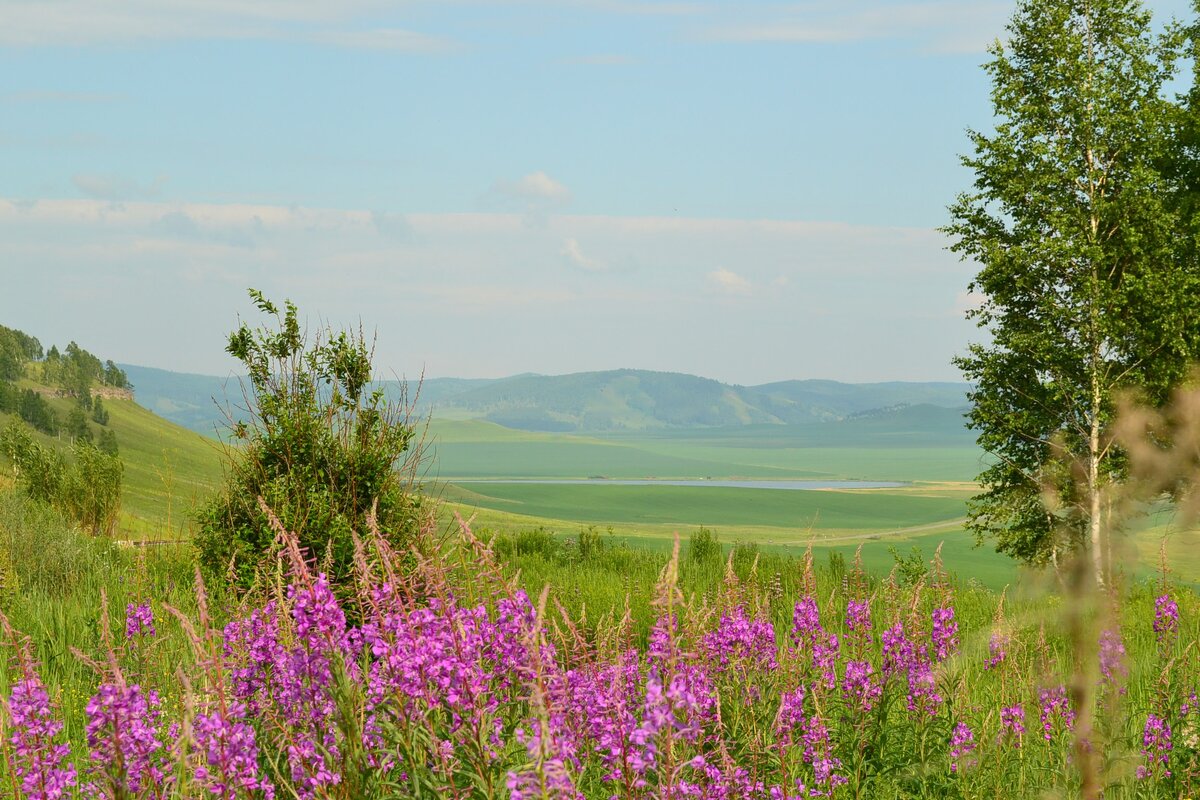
(849, 511)
(476, 449)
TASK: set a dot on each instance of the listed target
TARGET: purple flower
(898, 651)
(1012, 724)
(806, 620)
(1166, 619)
(858, 623)
(38, 762)
(791, 713)
(139, 619)
(740, 640)
(123, 736)
(962, 744)
(1156, 747)
(1055, 705)
(922, 686)
(945, 633)
(817, 753)
(997, 650)
(1113, 668)
(860, 687)
(226, 743)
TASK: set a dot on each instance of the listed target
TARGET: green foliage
(16, 348)
(87, 487)
(39, 469)
(318, 449)
(100, 414)
(114, 376)
(77, 425)
(703, 546)
(1077, 219)
(34, 409)
(91, 490)
(911, 568)
(107, 442)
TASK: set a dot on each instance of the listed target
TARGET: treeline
(72, 372)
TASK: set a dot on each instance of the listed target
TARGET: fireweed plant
(456, 683)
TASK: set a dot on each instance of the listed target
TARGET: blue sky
(747, 191)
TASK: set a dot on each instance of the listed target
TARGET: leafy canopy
(1077, 220)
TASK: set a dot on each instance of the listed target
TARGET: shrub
(87, 487)
(704, 546)
(320, 448)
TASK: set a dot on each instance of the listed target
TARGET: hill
(63, 395)
(593, 402)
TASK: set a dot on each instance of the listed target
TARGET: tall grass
(637, 674)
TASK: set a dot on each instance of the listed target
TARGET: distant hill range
(623, 400)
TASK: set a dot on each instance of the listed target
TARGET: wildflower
(1156, 747)
(230, 754)
(997, 650)
(806, 620)
(139, 619)
(817, 754)
(859, 687)
(824, 659)
(922, 686)
(822, 647)
(962, 744)
(742, 640)
(791, 713)
(122, 733)
(1055, 705)
(39, 764)
(945, 633)
(898, 651)
(1113, 669)
(858, 622)
(1012, 724)
(1166, 618)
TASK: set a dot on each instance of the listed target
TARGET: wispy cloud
(535, 195)
(504, 283)
(945, 26)
(536, 186)
(729, 282)
(337, 23)
(384, 39)
(117, 187)
(574, 256)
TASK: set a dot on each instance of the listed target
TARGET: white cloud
(116, 187)
(945, 26)
(384, 39)
(183, 267)
(535, 195)
(536, 186)
(330, 22)
(729, 282)
(574, 255)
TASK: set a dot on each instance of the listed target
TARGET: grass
(854, 510)
(475, 449)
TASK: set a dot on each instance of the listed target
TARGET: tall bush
(321, 447)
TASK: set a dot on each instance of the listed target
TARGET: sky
(742, 190)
